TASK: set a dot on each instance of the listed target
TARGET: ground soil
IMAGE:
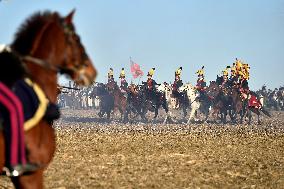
(93, 153)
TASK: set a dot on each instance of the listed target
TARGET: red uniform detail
(254, 102)
(150, 84)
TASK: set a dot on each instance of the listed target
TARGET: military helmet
(110, 72)
(122, 73)
(178, 71)
(200, 72)
(151, 72)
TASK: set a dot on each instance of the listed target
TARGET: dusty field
(92, 154)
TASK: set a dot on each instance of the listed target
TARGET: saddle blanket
(34, 102)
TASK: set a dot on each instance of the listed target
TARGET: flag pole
(139, 79)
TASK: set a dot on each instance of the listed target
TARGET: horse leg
(108, 114)
(125, 115)
(206, 113)
(214, 114)
(2, 151)
(223, 116)
(257, 112)
(143, 114)
(249, 116)
(121, 114)
(40, 142)
(192, 115)
(156, 112)
(168, 114)
(258, 118)
(243, 113)
(184, 110)
(31, 181)
(231, 114)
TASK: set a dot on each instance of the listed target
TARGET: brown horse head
(112, 86)
(213, 89)
(48, 44)
(77, 63)
(133, 89)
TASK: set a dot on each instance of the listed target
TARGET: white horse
(167, 90)
(171, 100)
(194, 102)
(192, 96)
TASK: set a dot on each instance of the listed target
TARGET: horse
(106, 99)
(237, 103)
(172, 101)
(120, 100)
(47, 44)
(248, 107)
(194, 102)
(152, 101)
(222, 101)
(135, 102)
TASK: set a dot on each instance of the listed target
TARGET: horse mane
(189, 84)
(27, 32)
(11, 68)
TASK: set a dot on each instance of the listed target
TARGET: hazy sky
(166, 34)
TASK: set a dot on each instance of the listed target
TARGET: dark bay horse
(106, 99)
(120, 100)
(47, 44)
(135, 102)
(152, 101)
(222, 102)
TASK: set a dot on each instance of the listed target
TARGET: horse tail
(265, 112)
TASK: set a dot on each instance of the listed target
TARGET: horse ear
(68, 19)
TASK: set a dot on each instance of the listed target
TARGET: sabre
(63, 87)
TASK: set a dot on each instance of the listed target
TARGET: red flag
(135, 70)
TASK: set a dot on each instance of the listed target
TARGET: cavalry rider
(243, 76)
(110, 76)
(246, 70)
(123, 82)
(238, 65)
(201, 84)
(177, 84)
(151, 83)
(12, 117)
(252, 97)
(234, 77)
(225, 79)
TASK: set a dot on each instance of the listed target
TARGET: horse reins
(40, 62)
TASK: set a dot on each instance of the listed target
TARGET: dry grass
(100, 155)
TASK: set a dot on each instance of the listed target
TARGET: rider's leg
(15, 129)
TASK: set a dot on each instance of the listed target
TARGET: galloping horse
(47, 44)
(152, 102)
(135, 102)
(106, 104)
(222, 101)
(120, 101)
(171, 101)
(194, 102)
(248, 109)
(237, 103)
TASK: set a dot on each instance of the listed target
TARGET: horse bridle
(80, 69)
